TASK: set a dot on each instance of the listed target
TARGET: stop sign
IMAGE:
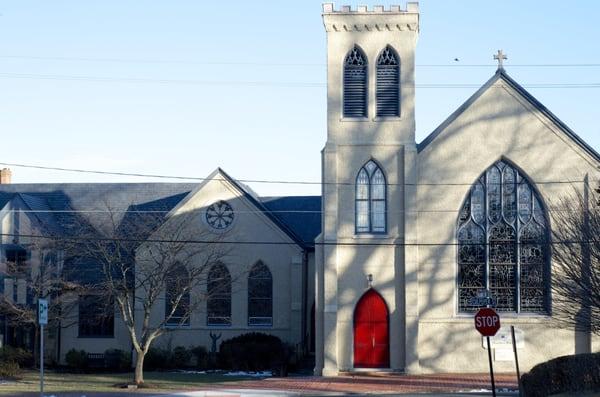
(487, 321)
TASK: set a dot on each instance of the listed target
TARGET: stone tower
(368, 175)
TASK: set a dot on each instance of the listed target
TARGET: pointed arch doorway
(371, 332)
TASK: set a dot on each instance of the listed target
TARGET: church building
(382, 272)
(412, 232)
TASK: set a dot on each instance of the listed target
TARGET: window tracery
(370, 199)
(388, 83)
(503, 243)
(355, 84)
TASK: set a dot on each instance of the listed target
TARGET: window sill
(388, 118)
(519, 317)
(95, 337)
(176, 326)
(368, 236)
(354, 119)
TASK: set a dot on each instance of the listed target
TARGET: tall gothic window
(96, 316)
(355, 83)
(388, 83)
(177, 296)
(503, 243)
(260, 295)
(218, 303)
(370, 199)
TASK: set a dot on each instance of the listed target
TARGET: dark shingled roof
(302, 214)
(56, 204)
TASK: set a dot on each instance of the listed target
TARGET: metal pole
(491, 367)
(42, 360)
(514, 343)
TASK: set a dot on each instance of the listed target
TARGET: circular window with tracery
(219, 215)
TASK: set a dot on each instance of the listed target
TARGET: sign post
(487, 322)
(42, 320)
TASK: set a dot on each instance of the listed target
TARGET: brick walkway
(373, 384)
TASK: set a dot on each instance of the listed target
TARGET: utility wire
(258, 83)
(219, 63)
(256, 242)
(281, 182)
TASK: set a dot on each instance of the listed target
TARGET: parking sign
(43, 311)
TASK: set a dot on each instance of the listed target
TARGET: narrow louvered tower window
(355, 84)
(388, 83)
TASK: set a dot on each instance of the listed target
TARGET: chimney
(5, 176)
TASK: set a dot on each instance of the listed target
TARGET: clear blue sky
(181, 87)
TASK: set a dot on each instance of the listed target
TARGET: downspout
(304, 299)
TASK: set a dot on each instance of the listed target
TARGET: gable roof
(283, 223)
(56, 205)
(502, 75)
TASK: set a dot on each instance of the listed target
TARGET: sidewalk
(385, 384)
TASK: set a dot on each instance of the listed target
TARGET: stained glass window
(260, 295)
(388, 83)
(355, 83)
(370, 199)
(218, 303)
(503, 243)
(177, 296)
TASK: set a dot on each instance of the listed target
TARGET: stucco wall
(499, 124)
(283, 258)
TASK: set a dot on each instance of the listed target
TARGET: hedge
(566, 374)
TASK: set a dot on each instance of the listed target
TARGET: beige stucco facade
(413, 265)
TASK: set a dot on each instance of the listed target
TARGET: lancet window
(370, 199)
(388, 83)
(355, 83)
(503, 243)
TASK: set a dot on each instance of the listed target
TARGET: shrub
(117, 360)
(201, 356)
(9, 369)
(567, 374)
(77, 359)
(254, 352)
(17, 355)
(156, 358)
(180, 357)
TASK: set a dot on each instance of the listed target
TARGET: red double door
(371, 332)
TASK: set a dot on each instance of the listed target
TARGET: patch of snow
(261, 374)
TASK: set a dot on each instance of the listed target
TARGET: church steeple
(370, 73)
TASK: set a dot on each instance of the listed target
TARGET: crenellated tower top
(363, 18)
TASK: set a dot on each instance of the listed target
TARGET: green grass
(66, 382)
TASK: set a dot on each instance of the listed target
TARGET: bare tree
(34, 267)
(576, 257)
(147, 262)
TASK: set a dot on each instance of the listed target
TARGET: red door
(371, 332)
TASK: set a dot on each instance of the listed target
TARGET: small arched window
(388, 83)
(218, 305)
(370, 196)
(177, 296)
(260, 295)
(355, 83)
(503, 243)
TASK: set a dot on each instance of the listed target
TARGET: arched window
(388, 83)
(260, 295)
(503, 243)
(177, 296)
(218, 305)
(355, 83)
(370, 199)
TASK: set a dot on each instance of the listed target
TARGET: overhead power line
(201, 179)
(287, 84)
(278, 64)
(267, 242)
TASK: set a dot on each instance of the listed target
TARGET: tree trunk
(139, 368)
